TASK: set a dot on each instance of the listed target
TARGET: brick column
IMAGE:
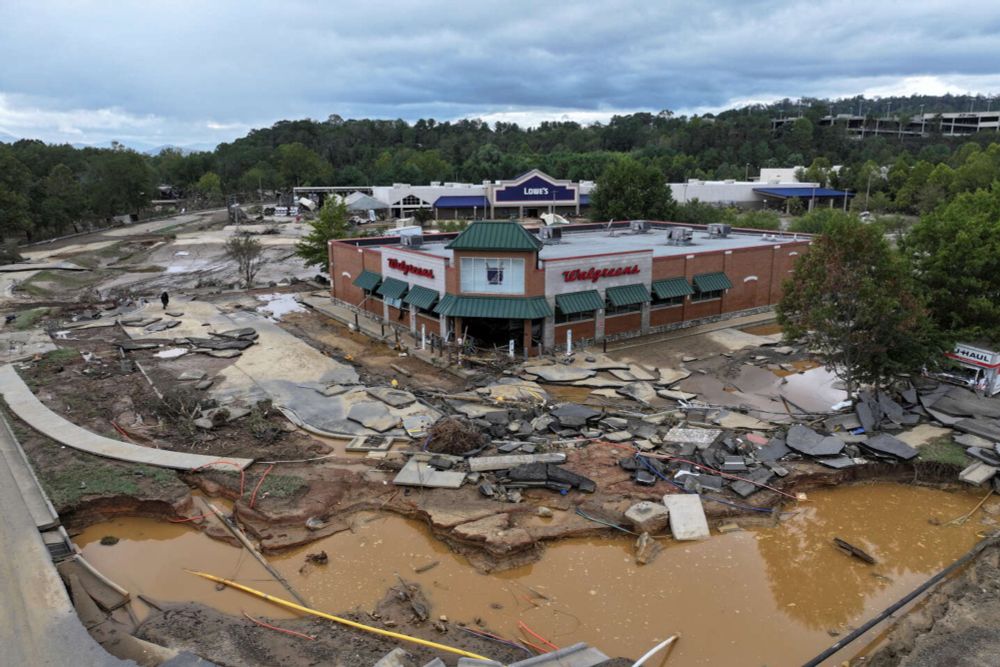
(644, 317)
(599, 325)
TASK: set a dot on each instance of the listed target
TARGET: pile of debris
(221, 344)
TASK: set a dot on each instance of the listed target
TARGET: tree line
(48, 190)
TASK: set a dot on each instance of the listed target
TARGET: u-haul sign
(976, 356)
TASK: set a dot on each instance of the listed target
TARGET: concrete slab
(919, 436)
(703, 437)
(487, 463)
(641, 391)
(687, 516)
(418, 473)
(42, 512)
(395, 398)
(560, 373)
(978, 473)
(29, 409)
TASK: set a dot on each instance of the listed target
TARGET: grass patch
(61, 355)
(28, 318)
(944, 450)
(67, 486)
(280, 486)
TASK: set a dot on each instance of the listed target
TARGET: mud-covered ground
(957, 625)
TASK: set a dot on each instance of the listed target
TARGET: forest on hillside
(49, 190)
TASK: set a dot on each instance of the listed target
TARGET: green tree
(298, 165)
(818, 220)
(15, 179)
(331, 223)
(768, 220)
(955, 252)
(63, 202)
(209, 186)
(629, 190)
(119, 181)
(853, 299)
(248, 254)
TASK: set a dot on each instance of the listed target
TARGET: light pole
(746, 172)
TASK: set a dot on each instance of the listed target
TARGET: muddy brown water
(765, 595)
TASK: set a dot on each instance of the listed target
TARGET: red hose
(190, 518)
(274, 627)
(221, 462)
(524, 627)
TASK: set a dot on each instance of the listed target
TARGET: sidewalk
(33, 412)
(374, 329)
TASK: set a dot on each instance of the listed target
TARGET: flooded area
(765, 595)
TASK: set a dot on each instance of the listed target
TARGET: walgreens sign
(594, 274)
(406, 268)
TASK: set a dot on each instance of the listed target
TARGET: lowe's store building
(498, 282)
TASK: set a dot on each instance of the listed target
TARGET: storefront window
(707, 296)
(502, 275)
(666, 303)
(562, 318)
(622, 310)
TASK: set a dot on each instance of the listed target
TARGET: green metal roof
(494, 307)
(421, 297)
(579, 302)
(506, 236)
(712, 282)
(392, 288)
(628, 295)
(671, 288)
(368, 280)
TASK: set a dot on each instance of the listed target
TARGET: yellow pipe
(337, 619)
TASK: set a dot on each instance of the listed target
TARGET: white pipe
(656, 649)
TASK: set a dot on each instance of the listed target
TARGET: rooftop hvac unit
(412, 240)
(718, 230)
(680, 235)
(550, 234)
(639, 226)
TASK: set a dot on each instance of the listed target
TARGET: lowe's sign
(536, 190)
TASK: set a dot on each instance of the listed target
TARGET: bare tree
(248, 254)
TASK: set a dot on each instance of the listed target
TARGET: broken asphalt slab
(883, 443)
(419, 473)
(807, 441)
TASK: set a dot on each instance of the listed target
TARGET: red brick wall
(583, 329)
(668, 315)
(346, 258)
(394, 316)
(616, 324)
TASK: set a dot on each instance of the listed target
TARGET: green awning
(579, 302)
(672, 288)
(494, 307)
(628, 295)
(421, 297)
(368, 280)
(392, 288)
(712, 282)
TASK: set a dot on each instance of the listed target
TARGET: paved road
(38, 625)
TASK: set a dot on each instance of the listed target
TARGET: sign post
(423, 336)
(510, 348)
(569, 342)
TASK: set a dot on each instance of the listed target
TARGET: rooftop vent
(680, 236)
(639, 226)
(412, 240)
(718, 230)
(550, 234)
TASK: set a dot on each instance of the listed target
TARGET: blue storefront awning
(801, 193)
(584, 200)
(469, 201)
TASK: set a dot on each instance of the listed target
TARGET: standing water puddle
(759, 596)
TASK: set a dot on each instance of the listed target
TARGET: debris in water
(852, 550)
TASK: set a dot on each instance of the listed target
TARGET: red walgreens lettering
(406, 268)
(594, 274)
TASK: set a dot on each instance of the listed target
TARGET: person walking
(164, 299)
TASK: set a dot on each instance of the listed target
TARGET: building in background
(498, 282)
(528, 196)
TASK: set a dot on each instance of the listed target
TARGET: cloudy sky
(194, 73)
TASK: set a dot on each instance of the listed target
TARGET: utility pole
(868, 188)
